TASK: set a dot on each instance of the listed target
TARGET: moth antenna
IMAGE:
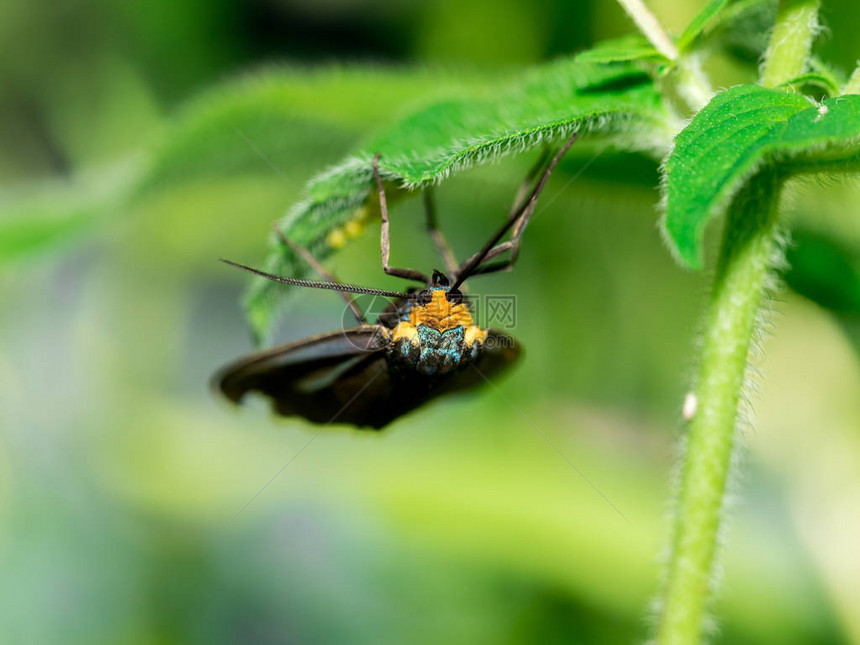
(315, 284)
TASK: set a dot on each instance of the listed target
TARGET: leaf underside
(280, 114)
(737, 133)
(544, 107)
(273, 124)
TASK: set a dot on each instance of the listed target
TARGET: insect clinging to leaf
(423, 345)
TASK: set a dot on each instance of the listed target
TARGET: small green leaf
(543, 107)
(621, 50)
(700, 23)
(737, 133)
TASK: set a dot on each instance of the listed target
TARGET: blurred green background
(125, 514)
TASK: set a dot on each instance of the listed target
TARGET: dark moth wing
(337, 377)
(343, 377)
(411, 390)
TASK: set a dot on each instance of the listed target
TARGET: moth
(425, 344)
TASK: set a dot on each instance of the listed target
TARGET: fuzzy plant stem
(648, 25)
(692, 84)
(748, 249)
(741, 275)
(790, 41)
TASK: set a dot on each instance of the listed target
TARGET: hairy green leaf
(738, 132)
(620, 50)
(265, 122)
(542, 108)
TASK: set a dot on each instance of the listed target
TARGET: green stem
(741, 276)
(690, 82)
(746, 255)
(693, 84)
(648, 25)
(790, 41)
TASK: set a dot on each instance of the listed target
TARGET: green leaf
(280, 116)
(543, 107)
(700, 23)
(621, 50)
(274, 123)
(546, 106)
(738, 132)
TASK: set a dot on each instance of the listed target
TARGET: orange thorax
(441, 314)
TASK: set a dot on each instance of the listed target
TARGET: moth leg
(436, 234)
(523, 191)
(385, 242)
(322, 271)
(519, 226)
(524, 202)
